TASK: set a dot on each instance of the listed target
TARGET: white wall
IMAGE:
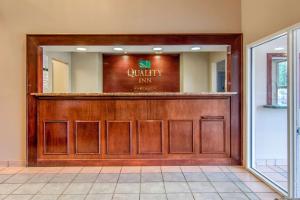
(86, 72)
(194, 72)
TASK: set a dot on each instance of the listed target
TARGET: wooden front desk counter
(135, 129)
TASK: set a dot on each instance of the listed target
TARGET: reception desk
(136, 129)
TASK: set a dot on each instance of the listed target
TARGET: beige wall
(194, 72)
(86, 72)
(264, 17)
(21, 17)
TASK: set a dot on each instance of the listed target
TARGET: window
(277, 80)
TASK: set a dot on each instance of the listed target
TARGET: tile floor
(277, 173)
(130, 183)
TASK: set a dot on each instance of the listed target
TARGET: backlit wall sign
(141, 73)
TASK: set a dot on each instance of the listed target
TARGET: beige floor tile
(170, 169)
(126, 197)
(153, 197)
(195, 176)
(30, 188)
(190, 169)
(72, 170)
(127, 188)
(108, 178)
(110, 170)
(131, 169)
(258, 187)
(154, 187)
(233, 196)
(85, 178)
(176, 187)
(268, 196)
(224, 168)
(18, 197)
(41, 178)
(151, 177)
(45, 197)
(4, 177)
(210, 169)
(63, 178)
(201, 187)
(130, 178)
(151, 169)
(91, 170)
(19, 178)
(173, 176)
(54, 188)
(207, 196)
(99, 197)
(78, 188)
(8, 188)
(72, 197)
(180, 196)
(226, 187)
(246, 176)
(2, 196)
(99, 188)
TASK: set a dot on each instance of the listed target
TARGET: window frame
(270, 57)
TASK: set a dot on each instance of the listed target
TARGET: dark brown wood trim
(33, 73)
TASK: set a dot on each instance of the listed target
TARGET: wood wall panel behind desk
(162, 76)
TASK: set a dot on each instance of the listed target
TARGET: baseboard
(12, 163)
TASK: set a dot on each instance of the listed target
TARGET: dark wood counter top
(133, 95)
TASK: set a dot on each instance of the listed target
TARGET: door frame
(249, 122)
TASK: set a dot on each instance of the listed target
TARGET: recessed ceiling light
(118, 49)
(156, 48)
(195, 48)
(81, 49)
(279, 48)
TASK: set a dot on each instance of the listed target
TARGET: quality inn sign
(145, 73)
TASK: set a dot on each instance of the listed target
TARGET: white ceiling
(139, 48)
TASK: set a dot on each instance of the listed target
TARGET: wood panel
(123, 73)
(87, 137)
(56, 137)
(181, 136)
(118, 137)
(212, 132)
(150, 136)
